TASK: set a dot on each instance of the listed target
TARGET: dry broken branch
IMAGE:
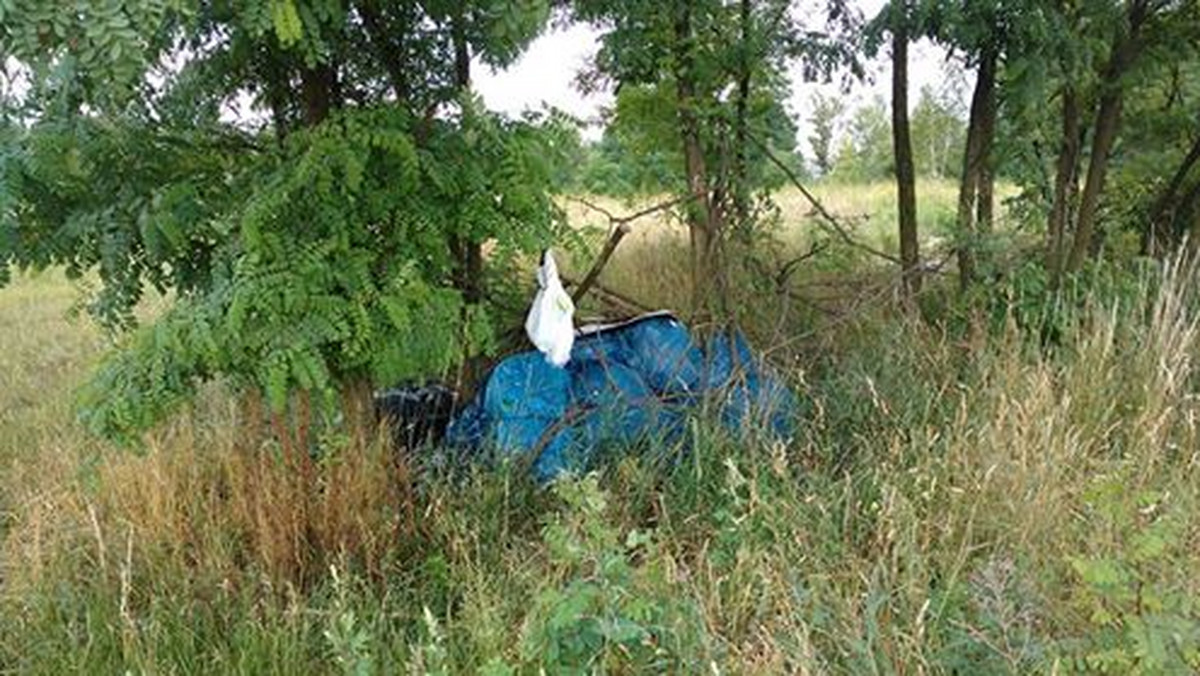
(791, 266)
(620, 228)
(828, 221)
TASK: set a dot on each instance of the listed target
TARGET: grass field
(963, 498)
(651, 263)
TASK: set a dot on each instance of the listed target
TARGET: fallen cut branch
(828, 220)
(620, 228)
(601, 261)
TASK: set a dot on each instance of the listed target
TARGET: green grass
(961, 499)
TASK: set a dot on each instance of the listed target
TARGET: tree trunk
(902, 149)
(1161, 234)
(319, 92)
(1190, 204)
(741, 187)
(278, 91)
(986, 204)
(1104, 136)
(1108, 119)
(701, 225)
(358, 409)
(468, 254)
(1065, 183)
(390, 51)
(462, 52)
(975, 185)
(987, 176)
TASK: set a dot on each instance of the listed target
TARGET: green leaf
(286, 20)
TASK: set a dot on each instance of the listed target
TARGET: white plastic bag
(549, 324)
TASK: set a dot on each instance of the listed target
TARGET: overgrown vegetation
(959, 498)
(997, 475)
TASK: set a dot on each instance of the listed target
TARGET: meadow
(969, 493)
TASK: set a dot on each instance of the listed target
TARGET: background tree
(866, 149)
(1099, 48)
(1154, 167)
(981, 32)
(824, 121)
(937, 134)
(719, 70)
(613, 167)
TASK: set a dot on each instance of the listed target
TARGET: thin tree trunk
(468, 254)
(965, 220)
(902, 149)
(1160, 234)
(1108, 120)
(358, 409)
(1065, 183)
(700, 221)
(278, 92)
(1190, 204)
(986, 186)
(462, 52)
(390, 50)
(986, 203)
(975, 172)
(741, 188)
(319, 91)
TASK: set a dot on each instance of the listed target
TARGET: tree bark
(975, 185)
(1190, 204)
(1066, 184)
(389, 50)
(1103, 137)
(319, 92)
(278, 91)
(701, 224)
(1161, 234)
(902, 150)
(462, 52)
(1108, 120)
(985, 218)
(741, 188)
(468, 254)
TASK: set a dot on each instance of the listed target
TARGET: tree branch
(788, 268)
(830, 223)
(389, 52)
(601, 261)
(620, 229)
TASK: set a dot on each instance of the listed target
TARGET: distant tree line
(845, 145)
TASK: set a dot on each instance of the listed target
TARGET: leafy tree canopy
(320, 245)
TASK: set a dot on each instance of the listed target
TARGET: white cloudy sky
(545, 75)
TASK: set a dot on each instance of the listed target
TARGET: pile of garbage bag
(624, 384)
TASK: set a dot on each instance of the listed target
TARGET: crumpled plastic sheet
(625, 383)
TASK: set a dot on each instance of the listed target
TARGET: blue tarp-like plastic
(625, 383)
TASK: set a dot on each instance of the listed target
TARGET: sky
(545, 74)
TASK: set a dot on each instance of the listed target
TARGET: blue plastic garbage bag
(624, 383)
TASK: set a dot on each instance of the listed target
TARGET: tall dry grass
(651, 263)
(955, 487)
